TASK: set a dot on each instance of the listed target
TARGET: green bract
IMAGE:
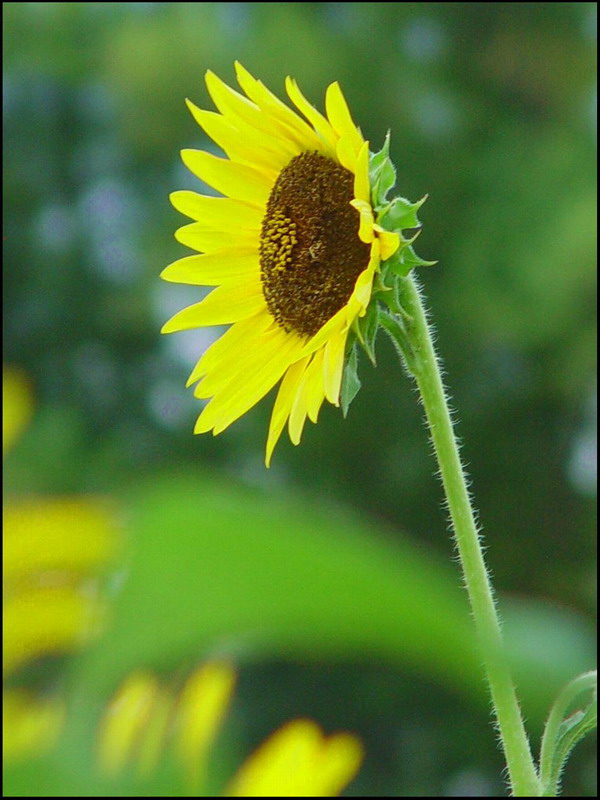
(397, 215)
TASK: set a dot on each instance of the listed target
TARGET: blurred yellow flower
(126, 722)
(30, 724)
(296, 761)
(203, 703)
(142, 712)
(17, 405)
(299, 761)
(293, 249)
(54, 549)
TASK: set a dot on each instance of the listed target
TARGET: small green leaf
(398, 265)
(405, 259)
(395, 328)
(386, 181)
(366, 330)
(376, 159)
(401, 214)
(382, 173)
(350, 381)
(392, 298)
(381, 282)
(562, 732)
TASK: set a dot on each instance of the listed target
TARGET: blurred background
(328, 580)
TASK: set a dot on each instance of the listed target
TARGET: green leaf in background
(217, 568)
(221, 565)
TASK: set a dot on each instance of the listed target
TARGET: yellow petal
(244, 143)
(281, 767)
(340, 760)
(298, 761)
(241, 110)
(223, 305)
(365, 231)
(17, 405)
(316, 119)
(362, 188)
(314, 382)
(206, 239)
(203, 703)
(345, 153)
(364, 283)
(283, 404)
(235, 180)
(238, 396)
(224, 266)
(326, 331)
(299, 410)
(339, 116)
(125, 720)
(278, 350)
(222, 354)
(363, 288)
(220, 212)
(231, 103)
(238, 364)
(389, 242)
(297, 128)
(334, 365)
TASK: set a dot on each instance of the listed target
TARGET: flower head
(292, 248)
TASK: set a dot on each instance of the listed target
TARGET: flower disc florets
(310, 252)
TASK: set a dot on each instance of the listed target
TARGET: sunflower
(55, 549)
(146, 717)
(292, 248)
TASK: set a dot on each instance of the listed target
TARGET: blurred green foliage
(328, 609)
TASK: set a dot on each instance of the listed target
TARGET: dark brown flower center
(310, 253)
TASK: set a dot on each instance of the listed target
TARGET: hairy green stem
(422, 362)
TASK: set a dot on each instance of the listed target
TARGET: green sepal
(404, 259)
(366, 328)
(350, 380)
(382, 173)
(396, 215)
(392, 298)
(401, 214)
(380, 284)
